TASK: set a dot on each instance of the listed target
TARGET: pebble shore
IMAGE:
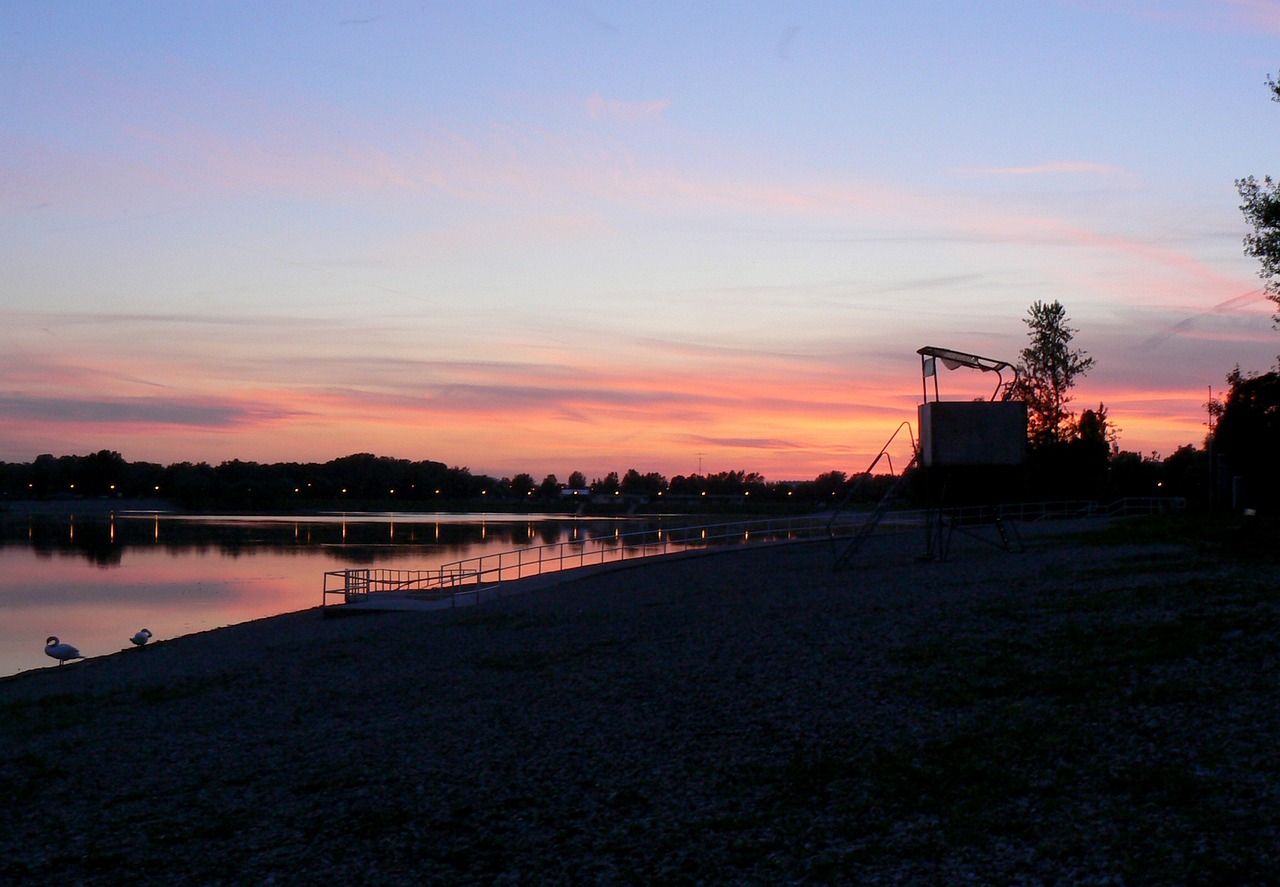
(1077, 713)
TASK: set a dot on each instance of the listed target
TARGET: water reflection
(95, 580)
(104, 540)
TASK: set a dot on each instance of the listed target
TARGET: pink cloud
(630, 113)
(1262, 15)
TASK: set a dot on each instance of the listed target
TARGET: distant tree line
(363, 481)
(360, 477)
(1088, 467)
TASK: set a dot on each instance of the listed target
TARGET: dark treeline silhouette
(237, 484)
(366, 481)
(1086, 465)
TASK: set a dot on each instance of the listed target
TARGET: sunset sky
(558, 236)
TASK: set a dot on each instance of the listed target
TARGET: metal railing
(476, 573)
(536, 560)
(356, 584)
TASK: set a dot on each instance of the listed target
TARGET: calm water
(94, 581)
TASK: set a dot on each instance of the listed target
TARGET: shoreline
(1073, 712)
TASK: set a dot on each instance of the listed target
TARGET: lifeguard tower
(968, 451)
(970, 433)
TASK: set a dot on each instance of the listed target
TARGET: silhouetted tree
(1261, 208)
(1047, 372)
(608, 486)
(185, 483)
(1094, 429)
(1185, 473)
(549, 488)
(522, 485)
(45, 478)
(1132, 474)
(1085, 455)
(1248, 433)
(101, 474)
(636, 484)
(830, 486)
(687, 485)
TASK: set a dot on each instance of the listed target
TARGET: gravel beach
(1088, 711)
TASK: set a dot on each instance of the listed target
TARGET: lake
(93, 580)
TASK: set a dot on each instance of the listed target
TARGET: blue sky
(550, 237)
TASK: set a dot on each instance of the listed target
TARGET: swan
(59, 651)
(141, 637)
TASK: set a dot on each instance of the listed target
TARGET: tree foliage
(636, 484)
(1260, 203)
(1047, 372)
(1076, 467)
(1248, 432)
(550, 487)
(608, 486)
(1095, 429)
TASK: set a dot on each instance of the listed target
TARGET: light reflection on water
(94, 581)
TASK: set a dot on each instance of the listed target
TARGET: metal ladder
(868, 526)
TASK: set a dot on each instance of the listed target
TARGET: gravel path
(1070, 714)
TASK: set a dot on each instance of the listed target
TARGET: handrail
(471, 574)
(354, 584)
(535, 560)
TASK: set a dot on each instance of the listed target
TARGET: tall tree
(1047, 372)
(1261, 208)
(1248, 433)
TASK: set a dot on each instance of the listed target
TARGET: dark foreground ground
(1098, 709)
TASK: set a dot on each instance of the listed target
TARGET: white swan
(141, 637)
(59, 651)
